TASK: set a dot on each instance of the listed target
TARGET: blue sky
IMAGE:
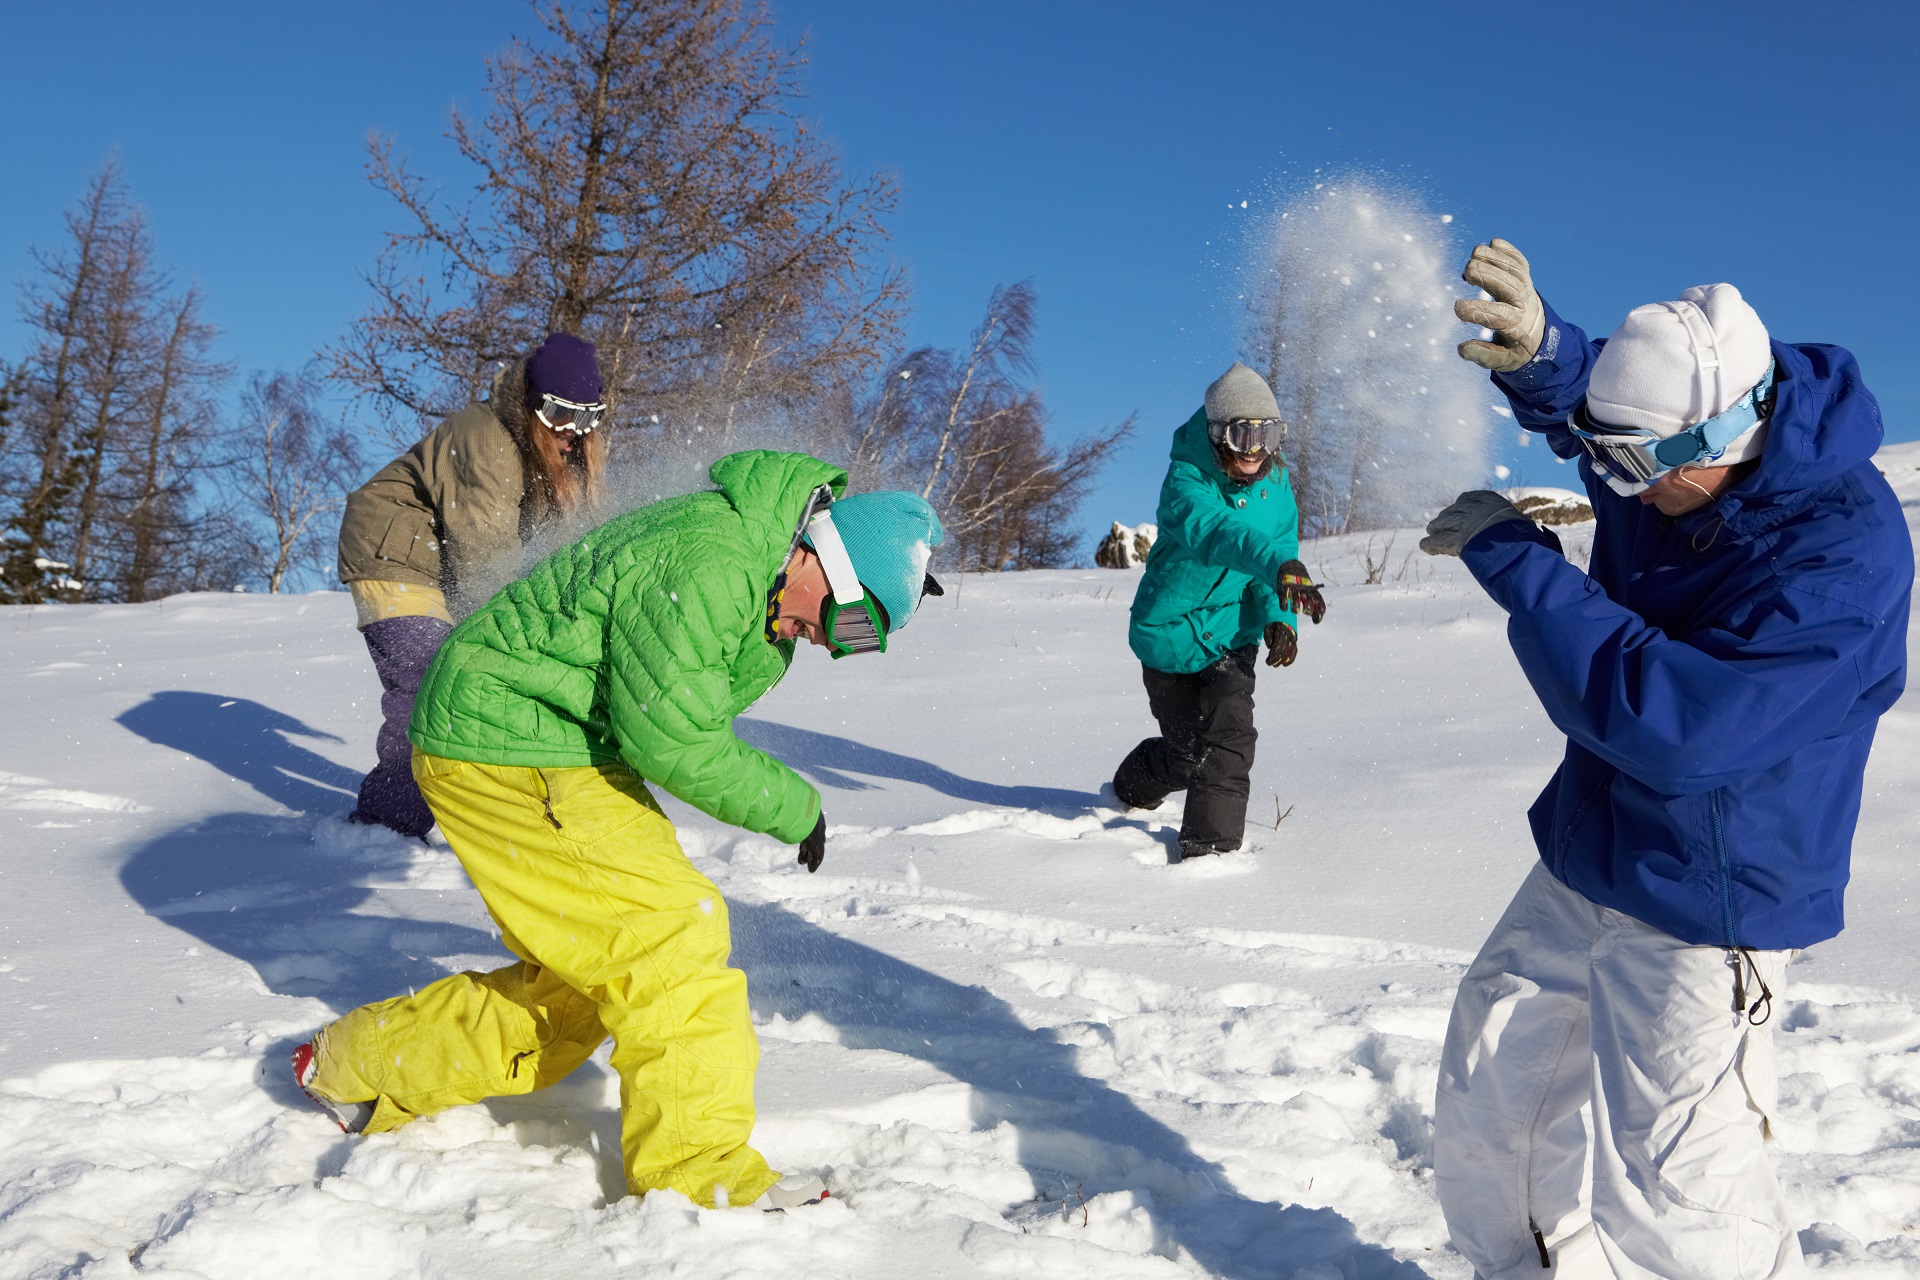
(1100, 150)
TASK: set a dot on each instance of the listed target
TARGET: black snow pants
(1205, 748)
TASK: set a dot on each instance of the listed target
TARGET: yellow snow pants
(617, 936)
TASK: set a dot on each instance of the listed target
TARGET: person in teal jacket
(1223, 575)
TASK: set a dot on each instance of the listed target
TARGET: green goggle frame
(853, 628)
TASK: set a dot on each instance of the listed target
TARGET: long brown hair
(560, 487)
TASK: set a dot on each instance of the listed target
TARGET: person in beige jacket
(439, 528)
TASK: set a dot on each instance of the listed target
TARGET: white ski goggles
(565, 415)
(852, 619)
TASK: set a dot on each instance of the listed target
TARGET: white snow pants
(1598, 1086)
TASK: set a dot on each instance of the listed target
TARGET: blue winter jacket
(1211, 576)
(1719, 675)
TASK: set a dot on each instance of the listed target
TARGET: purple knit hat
(564, 366)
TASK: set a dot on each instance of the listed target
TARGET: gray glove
(1515, 315)
(1471, 512)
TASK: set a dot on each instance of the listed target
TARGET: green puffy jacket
(1209, 584)
(640, 643)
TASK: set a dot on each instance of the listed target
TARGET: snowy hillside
(1013, 1038)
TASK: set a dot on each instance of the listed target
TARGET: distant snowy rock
(1550, 506)
(1125, 546)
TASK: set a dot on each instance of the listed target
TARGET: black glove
(1283, 645)
(1298, 594)
(814, 847)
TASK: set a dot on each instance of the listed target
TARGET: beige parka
(446, 514)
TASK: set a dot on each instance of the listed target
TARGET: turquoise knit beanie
(890, 537)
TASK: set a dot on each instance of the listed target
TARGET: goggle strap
(819, 500)
(561, 402)
(1712, 437)
(834, 559)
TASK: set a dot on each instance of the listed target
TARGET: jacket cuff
(1490, 553)
(1543, 369)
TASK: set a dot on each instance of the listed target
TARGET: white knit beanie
(1674, 364)
(1240, 394)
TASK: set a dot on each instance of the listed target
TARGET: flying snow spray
(1352, 285)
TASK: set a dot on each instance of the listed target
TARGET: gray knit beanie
(1240, 393)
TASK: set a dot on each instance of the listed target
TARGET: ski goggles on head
(1635, 456)
(565, 415)
(1248, 435)
(851, 618)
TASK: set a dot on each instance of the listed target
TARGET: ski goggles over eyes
(1638, 457)
(565, 415)
(1248, 435)
(851, 618)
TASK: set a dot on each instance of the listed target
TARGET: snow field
(1014, 1039)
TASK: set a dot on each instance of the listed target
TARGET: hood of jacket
(1824, 424)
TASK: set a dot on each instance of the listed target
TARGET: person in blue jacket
(1224, 574)
(1718, 670)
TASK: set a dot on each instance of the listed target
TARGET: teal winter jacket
(1209, 584)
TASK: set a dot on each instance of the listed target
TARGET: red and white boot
(352, 1117)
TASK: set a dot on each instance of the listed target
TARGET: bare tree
(640, 179)
(167, 445)
(291, 468)
(963, 429)
(41, 469)
(115, 365)
(101, 486)
(9, 398)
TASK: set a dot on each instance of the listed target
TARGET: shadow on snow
(1073, 1130)
(258, 888)
(249, 742)
(830, 759)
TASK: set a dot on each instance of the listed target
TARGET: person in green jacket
(621, 661)
(1223, 575)
(440, 528)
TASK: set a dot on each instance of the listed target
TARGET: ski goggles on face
(565, 415)
(1638, 457)
(851, 618)
(1248, 435)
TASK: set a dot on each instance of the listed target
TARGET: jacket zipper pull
(1540, 1243)
(546, 800)
(1736, 963)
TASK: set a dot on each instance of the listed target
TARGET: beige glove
(1471, 512)
(1515, 315)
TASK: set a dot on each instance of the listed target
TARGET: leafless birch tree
(290, 471)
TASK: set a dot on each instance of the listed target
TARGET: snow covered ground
(1011, 1035)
